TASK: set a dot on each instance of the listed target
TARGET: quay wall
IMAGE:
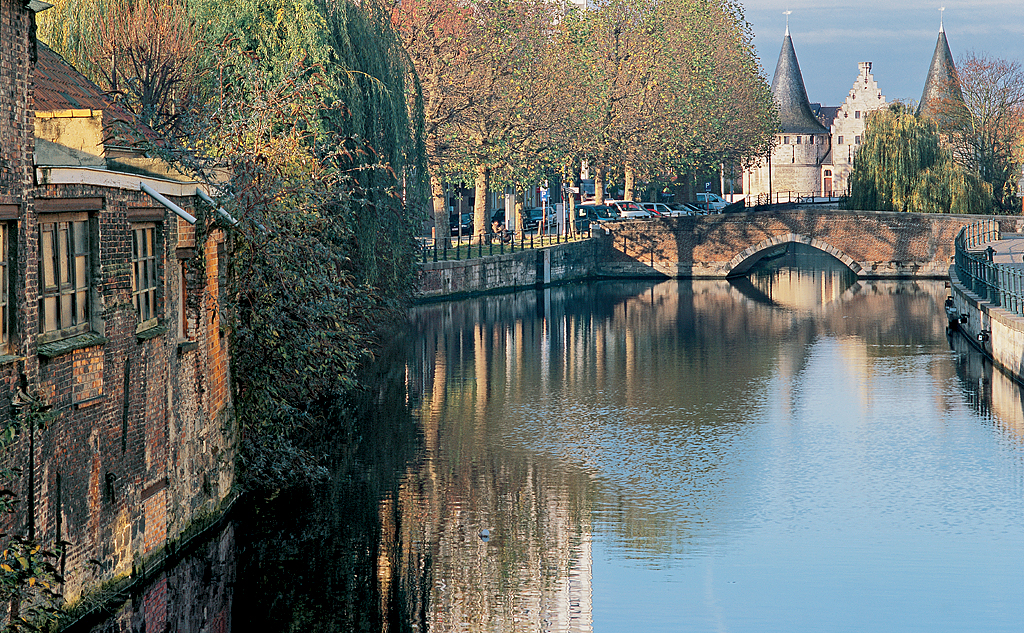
(1002, 330)
(561, 263)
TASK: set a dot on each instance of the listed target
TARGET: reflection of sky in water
(757, 467)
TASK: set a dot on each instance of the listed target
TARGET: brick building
(109, 316)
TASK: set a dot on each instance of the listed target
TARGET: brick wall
(16, 122)
(879, 244)
(141, 445)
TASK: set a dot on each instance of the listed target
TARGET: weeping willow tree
(902, 165)
(305, 133)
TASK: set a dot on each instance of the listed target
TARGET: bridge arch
(742, 262)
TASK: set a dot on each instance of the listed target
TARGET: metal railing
(796, 197)
(999, 284)
(471, 247)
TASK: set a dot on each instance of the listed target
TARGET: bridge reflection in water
(797, 451)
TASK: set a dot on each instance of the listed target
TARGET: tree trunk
(481, 219)
(442, 227)
(630, 183)
(599, 185)
(518, 211)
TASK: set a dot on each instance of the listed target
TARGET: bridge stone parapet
(873, 244)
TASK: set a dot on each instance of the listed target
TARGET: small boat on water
(952, 316)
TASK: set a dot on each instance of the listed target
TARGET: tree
(146, 56)
(665, 88)
(902, 165)
(432, 33)
(610, 52)
(986, 129)
(479, 67)
(309, 142)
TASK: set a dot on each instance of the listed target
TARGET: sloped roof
(825, 114)
(790, 95)
(941, 82)
(58, 86)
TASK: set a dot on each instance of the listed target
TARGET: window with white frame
(64, 275)
(144, 273)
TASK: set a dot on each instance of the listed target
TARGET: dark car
(588, 214)
(533, 215)
(465, 225)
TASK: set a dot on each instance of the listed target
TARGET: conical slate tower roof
(941, 83)
(791, 96)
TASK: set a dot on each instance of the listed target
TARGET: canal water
(793, 451)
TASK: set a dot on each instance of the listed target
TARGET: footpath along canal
(792, 451)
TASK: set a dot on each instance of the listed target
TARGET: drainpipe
(220, 210)
(183, 214)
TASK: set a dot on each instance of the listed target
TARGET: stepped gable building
(109, 321)
(814, 149)
(941, 84)
(848, 129)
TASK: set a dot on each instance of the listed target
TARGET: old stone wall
(1004, 343)
(16, 121)
(872, 243)
(142, 443)
(521, 269)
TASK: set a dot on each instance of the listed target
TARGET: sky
(897, 36)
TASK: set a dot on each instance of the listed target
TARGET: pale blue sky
(897, 36)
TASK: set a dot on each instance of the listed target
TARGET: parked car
(628, 209)
(660, 209)
(590, 214)
(712, 202)
(679, 208)
(463, 225)
(533, 215)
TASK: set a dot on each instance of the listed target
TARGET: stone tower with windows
(802, 145)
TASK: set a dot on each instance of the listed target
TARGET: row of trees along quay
(515, 91)
(328, 128)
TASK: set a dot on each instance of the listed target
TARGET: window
(840, 141)
(798, 139)
(856, 114)
(856, 140)
(828, 172)
(64, 272)
(785, 140)
(144, 273)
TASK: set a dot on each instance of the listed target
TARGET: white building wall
(850, 123)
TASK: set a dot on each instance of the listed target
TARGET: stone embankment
(987, 291)
(527, 268)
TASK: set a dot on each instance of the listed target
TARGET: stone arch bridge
(873, 244)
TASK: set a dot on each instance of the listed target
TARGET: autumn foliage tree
(985, 129)
(902, 165)
(664, 88)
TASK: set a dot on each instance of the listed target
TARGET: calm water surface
(798, 451)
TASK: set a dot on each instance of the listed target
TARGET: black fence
(999, 284)
(471, 247)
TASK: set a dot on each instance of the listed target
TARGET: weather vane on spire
(941, 28)
(786, 13)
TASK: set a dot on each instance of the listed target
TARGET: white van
(712, 202)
